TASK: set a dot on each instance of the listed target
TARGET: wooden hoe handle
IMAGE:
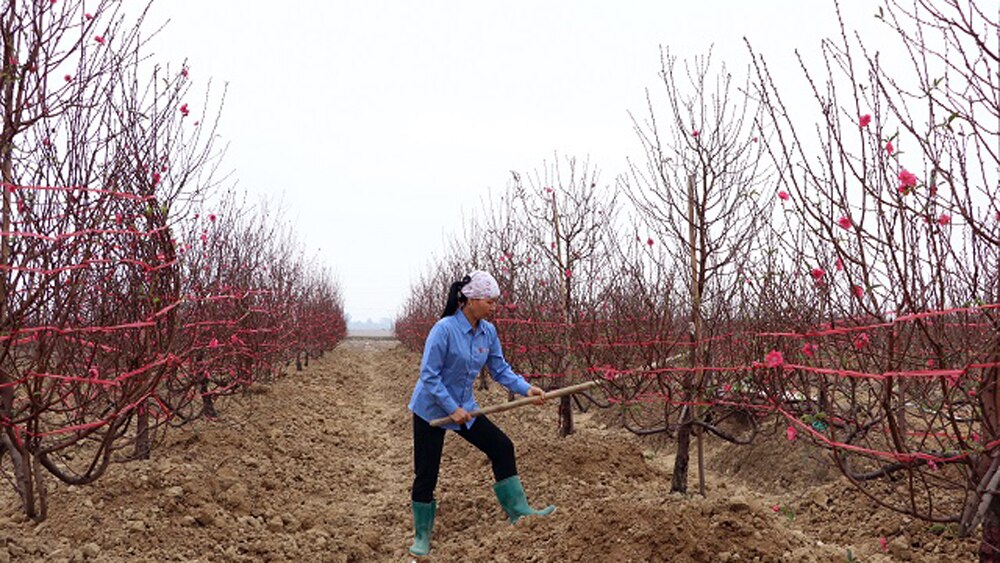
(521, 402)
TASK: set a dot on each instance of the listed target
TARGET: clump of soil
(317, 467)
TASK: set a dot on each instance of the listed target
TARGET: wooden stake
(521, 402)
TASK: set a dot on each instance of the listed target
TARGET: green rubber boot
(510, 493)
(423, 524)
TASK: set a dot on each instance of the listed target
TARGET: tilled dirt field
(317, 467)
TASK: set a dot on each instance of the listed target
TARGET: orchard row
(134, 289)
(824, 262)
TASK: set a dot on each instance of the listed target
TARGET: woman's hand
(536, 391)
(460, 416)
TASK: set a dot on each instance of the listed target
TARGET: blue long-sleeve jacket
(454, 354)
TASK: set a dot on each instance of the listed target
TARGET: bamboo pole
(521, 402)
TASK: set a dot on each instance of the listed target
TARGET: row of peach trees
(837, 275)
(133, 291)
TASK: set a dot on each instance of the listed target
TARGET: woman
(458, 346)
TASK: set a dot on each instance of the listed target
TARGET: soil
(317, 467)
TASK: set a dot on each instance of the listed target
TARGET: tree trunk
(988, 547)
(142, 443)
(679, 482)
(142, 440)
(207, 400)
(565, 404)
(41, 491)
(6, 177)
(565, 416)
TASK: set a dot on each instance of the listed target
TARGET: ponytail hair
(455, 297)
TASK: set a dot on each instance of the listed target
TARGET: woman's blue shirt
(454, 353)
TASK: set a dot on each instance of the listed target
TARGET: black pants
(429, 441)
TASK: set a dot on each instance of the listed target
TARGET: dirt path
(317, 467)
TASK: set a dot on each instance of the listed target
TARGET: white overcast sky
(376, 123)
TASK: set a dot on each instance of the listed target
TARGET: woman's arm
(501, 371)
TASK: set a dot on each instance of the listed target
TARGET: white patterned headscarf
(481, 286)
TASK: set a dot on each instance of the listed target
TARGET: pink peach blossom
(783, 195)
(907, 181)
(861, 341)
(864, 120)
(774, 359)
(844, 222)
